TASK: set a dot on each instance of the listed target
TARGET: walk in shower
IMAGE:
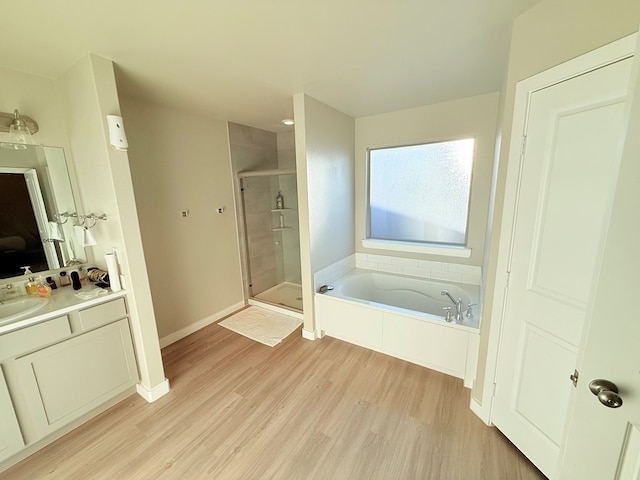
(266, 195)
(271, 236)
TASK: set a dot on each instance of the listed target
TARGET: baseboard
(155, 393)
(483, 413)
(194, 327)
(309, 334)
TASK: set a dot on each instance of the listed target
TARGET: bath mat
(262, 325)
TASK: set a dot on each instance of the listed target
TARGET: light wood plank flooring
(302, 410)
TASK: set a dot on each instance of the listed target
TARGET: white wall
(88, 93)
(547, 35)
(37, 98)
(467, 117)
(324, 139)
(193, 262)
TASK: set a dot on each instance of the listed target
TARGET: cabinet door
(10, 436)
(63, 382)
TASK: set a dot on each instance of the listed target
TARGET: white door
(563, 188)
(604, 443)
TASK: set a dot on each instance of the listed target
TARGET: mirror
(36, 190)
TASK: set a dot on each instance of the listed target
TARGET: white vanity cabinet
(64, 368)
(10, 436)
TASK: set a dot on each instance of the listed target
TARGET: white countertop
(63, 300)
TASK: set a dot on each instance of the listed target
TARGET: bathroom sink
(11, 310)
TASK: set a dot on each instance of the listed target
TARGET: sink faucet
(8, 286)
(458, 303)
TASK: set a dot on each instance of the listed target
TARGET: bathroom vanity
(59, 367)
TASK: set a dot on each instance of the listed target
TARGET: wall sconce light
(117, 137)
(20, 128)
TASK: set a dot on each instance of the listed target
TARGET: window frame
(436, 248)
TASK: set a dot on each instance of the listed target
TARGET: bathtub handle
(448, 310)
(469, 313)
(325, 288)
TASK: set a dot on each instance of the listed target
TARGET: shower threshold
(285, 298)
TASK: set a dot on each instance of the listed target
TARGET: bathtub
(403, 317)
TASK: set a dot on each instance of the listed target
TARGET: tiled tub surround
(422, 338)
(450, 272)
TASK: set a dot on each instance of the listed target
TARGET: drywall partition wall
(324, 139)
(548, 34)
(88, 93)
(330, 180)
(467, 117)
(193, 261)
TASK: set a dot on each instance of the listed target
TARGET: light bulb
(19, 133)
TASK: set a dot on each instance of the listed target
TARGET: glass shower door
(272, 239)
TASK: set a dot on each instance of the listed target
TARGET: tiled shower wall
(273, 257)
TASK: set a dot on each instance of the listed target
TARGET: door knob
(607, 393)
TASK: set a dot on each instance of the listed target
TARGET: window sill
(430, 249)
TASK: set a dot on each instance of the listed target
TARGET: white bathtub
(403, 317)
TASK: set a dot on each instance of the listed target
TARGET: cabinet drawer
(99, 315)
(33, 337)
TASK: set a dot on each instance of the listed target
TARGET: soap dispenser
(279, 201)
(31, 286)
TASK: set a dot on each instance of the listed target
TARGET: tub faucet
(458, 303)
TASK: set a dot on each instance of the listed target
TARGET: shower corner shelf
(279, 229)
(281, 209)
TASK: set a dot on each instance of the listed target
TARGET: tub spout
(458, 303)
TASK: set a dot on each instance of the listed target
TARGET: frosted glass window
(420, 193)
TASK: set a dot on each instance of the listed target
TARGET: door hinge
(508, 277)
(493, 394)
(523, 146)
(574, 377)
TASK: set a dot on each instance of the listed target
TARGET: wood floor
(301, 410)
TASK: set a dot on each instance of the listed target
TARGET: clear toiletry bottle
(43, 288)
(64, 279)
(279, 201)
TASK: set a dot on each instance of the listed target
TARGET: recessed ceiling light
(288, 121)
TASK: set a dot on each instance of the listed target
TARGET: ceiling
(242, 60)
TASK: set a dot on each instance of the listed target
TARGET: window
(420, 193)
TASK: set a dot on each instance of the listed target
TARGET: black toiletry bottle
(52, 283)
(75, 280)
(64, 279)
